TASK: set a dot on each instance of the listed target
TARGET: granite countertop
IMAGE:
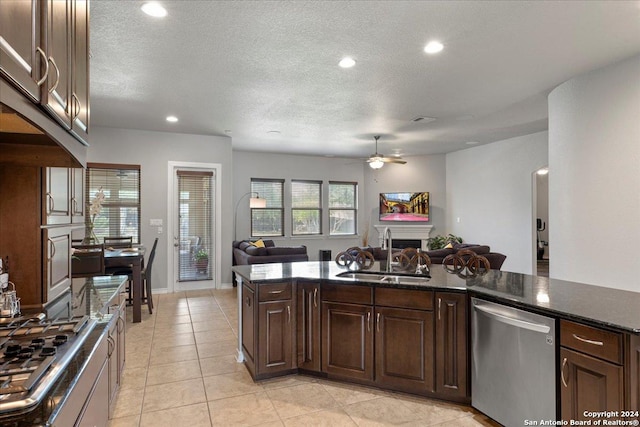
(88, 297)
(606, 307)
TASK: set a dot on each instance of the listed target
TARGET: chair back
(152, 255)
(87, 261)
(118, 242)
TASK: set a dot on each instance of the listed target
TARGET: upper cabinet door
(56, 92)
(56, 203)
(80, 70)
(77, 195)
(22, 60)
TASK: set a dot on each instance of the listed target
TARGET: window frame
(268, 208)
(89, 197)
(354, 209)
(319, 209)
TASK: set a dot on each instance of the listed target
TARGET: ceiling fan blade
(394, 160)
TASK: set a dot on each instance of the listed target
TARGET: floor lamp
(254, 202)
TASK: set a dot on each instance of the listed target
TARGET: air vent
(423, 119)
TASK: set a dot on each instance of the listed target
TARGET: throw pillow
(258, 243)
(449, 246)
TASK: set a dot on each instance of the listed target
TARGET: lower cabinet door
(275, 340)
(308, 326)
(452, 358)
(57, 265)
(404, 349)
(588, 385)
(248, 323)
(347, 333)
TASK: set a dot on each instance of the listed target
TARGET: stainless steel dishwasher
(513, 364)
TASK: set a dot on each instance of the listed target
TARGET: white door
(194, 225)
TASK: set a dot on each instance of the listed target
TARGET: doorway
(541, 222)
(194, 213)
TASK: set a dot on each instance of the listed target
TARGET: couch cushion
(478, 249)
(256, 250)
(287, 250)
(440, 253)
(244, 245)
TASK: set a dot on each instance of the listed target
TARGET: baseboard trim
(193, 287)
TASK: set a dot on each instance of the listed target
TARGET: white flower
(96, 204)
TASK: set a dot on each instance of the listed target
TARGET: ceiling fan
(376, 160)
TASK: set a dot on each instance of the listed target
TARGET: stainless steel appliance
(34, 351)
(513, 376)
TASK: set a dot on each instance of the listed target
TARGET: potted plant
(201, 260)
(439, 242)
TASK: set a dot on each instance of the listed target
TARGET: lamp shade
(257, 202)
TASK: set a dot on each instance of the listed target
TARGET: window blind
(268, 221)
(119, 214)
(343, 198)
(195, 189)
(306, 204)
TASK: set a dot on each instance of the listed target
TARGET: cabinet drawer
(347, 293)
(404, 298)
(593, 341)
(274, 291)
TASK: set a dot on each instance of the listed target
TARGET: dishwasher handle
(537, 327)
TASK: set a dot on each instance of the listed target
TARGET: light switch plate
(155, 222)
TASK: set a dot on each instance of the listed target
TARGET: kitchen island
(84, 389)
(414, 336)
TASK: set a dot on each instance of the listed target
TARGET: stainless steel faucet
(387, 243)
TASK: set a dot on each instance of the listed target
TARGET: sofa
(438, 255)
(245, 253)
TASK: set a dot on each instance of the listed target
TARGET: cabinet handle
(579, 338)
(77, 105)
(378, 322)
(46, 66)
(276, 292)
(315, 297)
(55, 66)
(368, 321)
(439, 305)
(564, 382)
(120, 325)
(74, 205)
(52, 249)
(289, 312)
(50, 203)
(110, 346)
(248, 302)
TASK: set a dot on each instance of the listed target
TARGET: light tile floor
(181, 371)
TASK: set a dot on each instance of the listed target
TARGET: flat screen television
(404, 207)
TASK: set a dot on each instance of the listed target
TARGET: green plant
(201, 255)
(439, 241)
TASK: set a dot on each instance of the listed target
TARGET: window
(306, 203)
(343, 198)
(268, 221)
(120, 213)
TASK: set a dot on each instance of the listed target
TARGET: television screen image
(409, 207)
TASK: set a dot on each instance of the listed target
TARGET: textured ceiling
(257, 66)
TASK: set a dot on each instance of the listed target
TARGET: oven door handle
(500, 317)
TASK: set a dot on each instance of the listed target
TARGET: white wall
(594, 190)
(489, 188)
(421, 173)
(152, 151)
(249, 165)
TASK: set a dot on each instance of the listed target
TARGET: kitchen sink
(382, 277)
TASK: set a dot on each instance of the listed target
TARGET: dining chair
(146, 277)
(87, 261)
(118, 242)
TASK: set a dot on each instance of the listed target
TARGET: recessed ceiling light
(542, 171)
(433, 47)
(347, 62)
(172, 119)
(273, 131)
(154, 9)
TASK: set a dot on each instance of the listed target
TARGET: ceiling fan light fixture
(375, 162)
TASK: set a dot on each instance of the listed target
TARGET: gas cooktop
(34, 351)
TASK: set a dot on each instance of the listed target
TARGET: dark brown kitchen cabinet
(591, 371)
(45, 54)
(275, 340)
(451, 349)
(347, 338)
(57, 261)
(308, 326)
(116, 345)
(249, 325)
(404, 349)
(22, 57)
(57, 200)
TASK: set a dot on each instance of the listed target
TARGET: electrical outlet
(155, 222)
(159, 230)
